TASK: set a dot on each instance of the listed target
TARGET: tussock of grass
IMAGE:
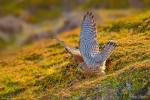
(45, 71)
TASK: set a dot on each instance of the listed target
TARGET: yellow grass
(44, 70)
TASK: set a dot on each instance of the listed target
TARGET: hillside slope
(45, 71)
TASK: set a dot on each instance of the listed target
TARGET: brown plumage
(91, 60)
(73, 51)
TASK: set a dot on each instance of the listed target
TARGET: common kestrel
(91, 60)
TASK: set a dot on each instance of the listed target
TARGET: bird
(91, 60)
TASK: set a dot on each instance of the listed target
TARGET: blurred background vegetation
(25, 21)
(38, 10)
(32, 66)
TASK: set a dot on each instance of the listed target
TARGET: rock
(11, 25)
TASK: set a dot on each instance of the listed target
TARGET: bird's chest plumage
(95, 70)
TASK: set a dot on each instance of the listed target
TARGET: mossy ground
(45, 71)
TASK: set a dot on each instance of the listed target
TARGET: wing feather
(88, 39)
(107, 50)
(73, 51)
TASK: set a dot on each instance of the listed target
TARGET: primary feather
(88, 39)
(73, 51)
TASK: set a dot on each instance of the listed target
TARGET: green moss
(145, 26)
(46, 71)
(33, 57)
(11, 93)
(121, 83)
(138, 23)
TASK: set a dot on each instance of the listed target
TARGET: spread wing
(88, 44)
(68, 48)
(73, 51)
(107, 50)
